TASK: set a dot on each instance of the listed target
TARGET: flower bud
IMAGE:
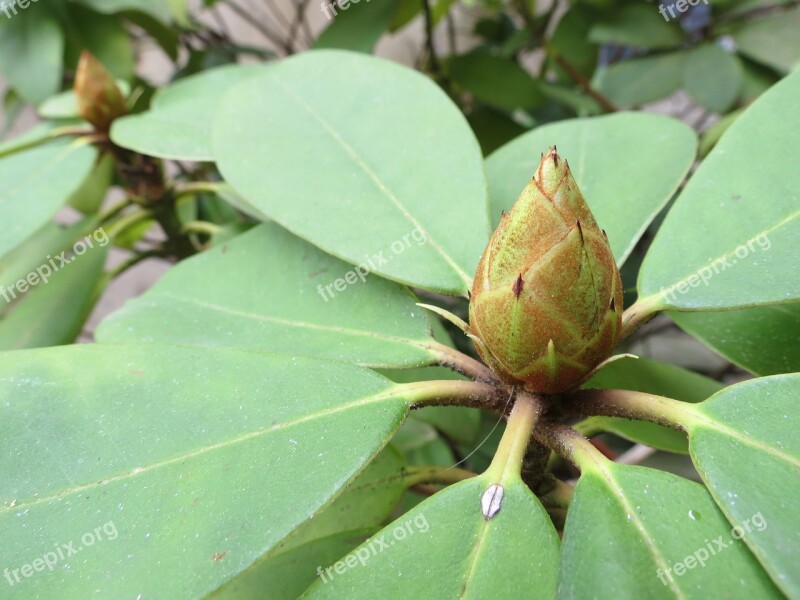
(546, 302)
(100, 100)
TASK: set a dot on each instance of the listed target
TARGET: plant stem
(462, 363)
(133, 261)
(454, 393)
(560, 495)
(507, 461)
(127, 221)
(639, 313)
(571, 445)
(436, 68)
(434, 474)
(195, 187)
(634, 405)
(203, 227)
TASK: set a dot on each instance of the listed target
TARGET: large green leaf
(737, 222)
(357, 513)
(625, 183)
(639, 81)
(388, 173)
(653, 377)
(358, 29)
(179, 123)
(629, 528)
(453, 551)
(636, 25)
(745, 445)
(495, 80)
(153, 443)
(31, 50)
(55, 311)
(772, 40)
(761, 339)
(261, 292)
(712, 77)
(35, 183)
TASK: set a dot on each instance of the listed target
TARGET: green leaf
(160, 441)
(231, 296)
(31, 50)
(179, 124)
(359, 512)
(712, 77)
(55, 310)
(628, 525)
(772, 40)
(638, 81)
(745, 445)
(35, 183)
(653, 377)
(762, 339)
(155, 8)
(636, 25)
(90, 195)
(611, 158)
(357, 28)
(104, 36)
(453, 551)
(497, 81)
(737, 221)
(569, 41)
(392, 158)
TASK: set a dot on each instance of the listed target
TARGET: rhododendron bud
(546, 302)
(100, 100)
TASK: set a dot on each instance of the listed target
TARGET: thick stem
(507, 461)
(639, 313)
(453, 393)
(443, 475)
(463, 363)
(560, 495)
(571, 445)
(633, 405)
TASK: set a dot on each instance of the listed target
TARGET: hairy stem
(454, 393)
(639, 313)
(434, 474)
(462, 363)
(634, 405)
(570, 444)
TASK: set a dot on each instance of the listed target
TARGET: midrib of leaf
(666, 291)
(375, 398)
(424, 345)
(473, 563)
(701, 419)
(613, 486)
(377, 181)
